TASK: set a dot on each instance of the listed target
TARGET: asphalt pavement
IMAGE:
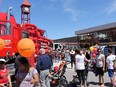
(92, 79)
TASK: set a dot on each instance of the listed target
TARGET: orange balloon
(2, 44)
(26, 47)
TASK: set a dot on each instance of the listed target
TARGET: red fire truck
(12, 32)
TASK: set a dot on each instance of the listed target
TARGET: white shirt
(110, 61)
(99, 60)
(80, 62)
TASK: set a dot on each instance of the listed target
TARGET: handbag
(18, 82)
(25, 83)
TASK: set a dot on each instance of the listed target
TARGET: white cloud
(52, 3)
(73, 13)
(68, 7)
(112, 7)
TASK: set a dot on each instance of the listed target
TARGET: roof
(26, 3)
(67, 39)
(96, 28)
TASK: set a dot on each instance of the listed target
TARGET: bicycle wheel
(63, 83)
(63, 77)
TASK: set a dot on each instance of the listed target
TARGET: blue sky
(61, 18)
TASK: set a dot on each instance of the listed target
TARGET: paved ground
(93, 81)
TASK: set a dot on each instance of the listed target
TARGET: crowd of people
(29, 76)
(80, 60)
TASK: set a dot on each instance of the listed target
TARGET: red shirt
(4, 76)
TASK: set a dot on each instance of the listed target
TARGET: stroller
(57, 76)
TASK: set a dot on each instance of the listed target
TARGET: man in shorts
(110, 62)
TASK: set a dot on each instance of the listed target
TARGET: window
(24, 34)
(5, 28)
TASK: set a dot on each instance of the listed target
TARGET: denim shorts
(111, 72)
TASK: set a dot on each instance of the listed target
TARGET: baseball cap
(3, 60)
(72, 52)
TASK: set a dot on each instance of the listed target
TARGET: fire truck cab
(12, 32)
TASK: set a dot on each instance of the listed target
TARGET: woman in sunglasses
(5, 80)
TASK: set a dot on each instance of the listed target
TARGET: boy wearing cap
(5, 80)
(72, 54)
